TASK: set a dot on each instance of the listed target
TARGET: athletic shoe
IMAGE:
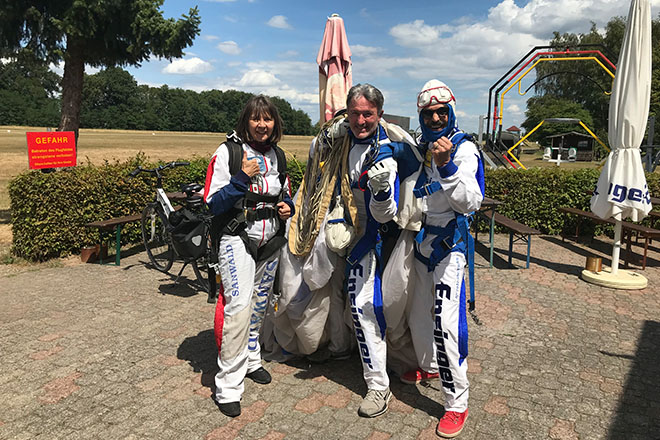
(375, 403)
(260, 376)
(325, 354)
(451, 424)
(230, 409)
(413, 377)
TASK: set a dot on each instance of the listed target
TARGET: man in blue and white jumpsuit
(375, 187)
(451, 187)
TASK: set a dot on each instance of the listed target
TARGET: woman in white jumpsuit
(251, 204)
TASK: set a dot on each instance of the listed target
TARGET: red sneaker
(413, 377)
(451, 424)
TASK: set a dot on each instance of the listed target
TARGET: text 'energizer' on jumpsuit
(247, 280)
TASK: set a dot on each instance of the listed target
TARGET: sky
(270, 47)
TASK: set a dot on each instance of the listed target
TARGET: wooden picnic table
(489, 205)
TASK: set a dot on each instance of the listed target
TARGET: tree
(94, 32)
(583, 82)
(553, 79)
(548, 106)
(110, 99)
(28, 91)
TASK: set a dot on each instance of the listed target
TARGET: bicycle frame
(162, 207)
(164, 202)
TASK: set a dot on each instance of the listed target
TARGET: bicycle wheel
(157, 239)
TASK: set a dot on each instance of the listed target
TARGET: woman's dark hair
(258, 106)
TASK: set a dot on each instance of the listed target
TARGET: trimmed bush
(534, 196)
(49, 211)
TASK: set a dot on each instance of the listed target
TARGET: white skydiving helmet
(435, 92)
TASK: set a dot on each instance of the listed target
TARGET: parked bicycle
(184, 232)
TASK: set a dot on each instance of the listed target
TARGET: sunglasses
(428, 114)
(434, 95)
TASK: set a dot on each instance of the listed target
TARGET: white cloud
(289, 54)
(208, 37)
(279, 21)
(231, 18)
(188, 66)
(366, 51)
(258, 78)
(229, 47)
(59, 68)
(418, 33)
(541, 17)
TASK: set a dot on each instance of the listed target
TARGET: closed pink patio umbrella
(334, 60)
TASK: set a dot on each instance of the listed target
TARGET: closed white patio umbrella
(621, 191)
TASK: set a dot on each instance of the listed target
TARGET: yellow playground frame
(552, 120)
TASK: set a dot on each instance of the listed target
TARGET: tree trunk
(72, 83)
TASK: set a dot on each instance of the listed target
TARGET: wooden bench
(113, 224)
(627, 228)
(517, 232)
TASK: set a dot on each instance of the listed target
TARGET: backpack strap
(235, 156)
(281, 164)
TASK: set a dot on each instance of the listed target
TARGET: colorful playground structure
(500, 154)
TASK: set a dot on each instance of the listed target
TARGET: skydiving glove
(379, 176)
(338, 129)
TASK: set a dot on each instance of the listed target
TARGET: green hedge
(534, 196)
(49, 211)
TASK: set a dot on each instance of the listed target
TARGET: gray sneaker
(375, 403)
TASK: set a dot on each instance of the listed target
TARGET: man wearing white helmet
(451, 186)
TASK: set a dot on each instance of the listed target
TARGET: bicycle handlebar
(156, 171)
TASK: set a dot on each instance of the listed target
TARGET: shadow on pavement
(348, 373)
(201, 354)
(638, 410)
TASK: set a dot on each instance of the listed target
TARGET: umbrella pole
(616, 248)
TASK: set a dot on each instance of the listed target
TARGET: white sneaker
(375, 403)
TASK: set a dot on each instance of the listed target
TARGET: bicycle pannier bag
(188, 234)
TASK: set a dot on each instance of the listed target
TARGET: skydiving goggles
(435, 95)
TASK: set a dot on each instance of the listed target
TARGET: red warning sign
(52, 149)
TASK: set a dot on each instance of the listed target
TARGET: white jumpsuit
(246, 285)
(363, 279)
(437, 316)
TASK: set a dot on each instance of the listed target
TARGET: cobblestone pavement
(92, 352)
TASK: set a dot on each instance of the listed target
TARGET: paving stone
(555, 357)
